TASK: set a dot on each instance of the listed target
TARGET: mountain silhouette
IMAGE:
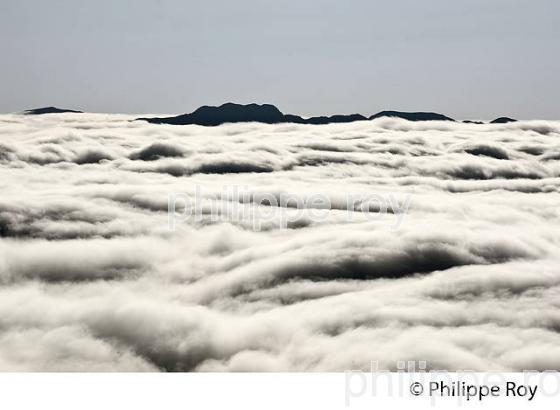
(335, 119)
(412, 116)
(269, 114)
(229, 112)
(472, 122)
(49, 110)
(502, 120)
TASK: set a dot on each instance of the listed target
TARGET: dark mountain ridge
(502, 120)
(269, 114)
(229, 112)
(49, 110)
(412, 116)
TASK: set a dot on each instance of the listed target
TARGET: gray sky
(464, 58)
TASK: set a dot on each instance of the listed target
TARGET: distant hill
(472, 122)
(49, 110)
(412, 116)
(229, 112)
(502, 120)
(335, 119)
(269, 114)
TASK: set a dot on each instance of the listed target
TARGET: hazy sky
(465, 58)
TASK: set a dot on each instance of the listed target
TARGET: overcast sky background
(467, 59)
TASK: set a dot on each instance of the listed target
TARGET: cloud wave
(464, 275)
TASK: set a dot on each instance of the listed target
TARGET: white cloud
(92, 278)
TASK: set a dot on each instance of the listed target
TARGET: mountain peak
(502, 120)
(269, 114)
(412, 116)
(228, 112)
(49, 110)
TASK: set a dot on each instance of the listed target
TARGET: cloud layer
(465, 276)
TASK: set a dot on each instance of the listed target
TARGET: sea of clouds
(455, 261)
